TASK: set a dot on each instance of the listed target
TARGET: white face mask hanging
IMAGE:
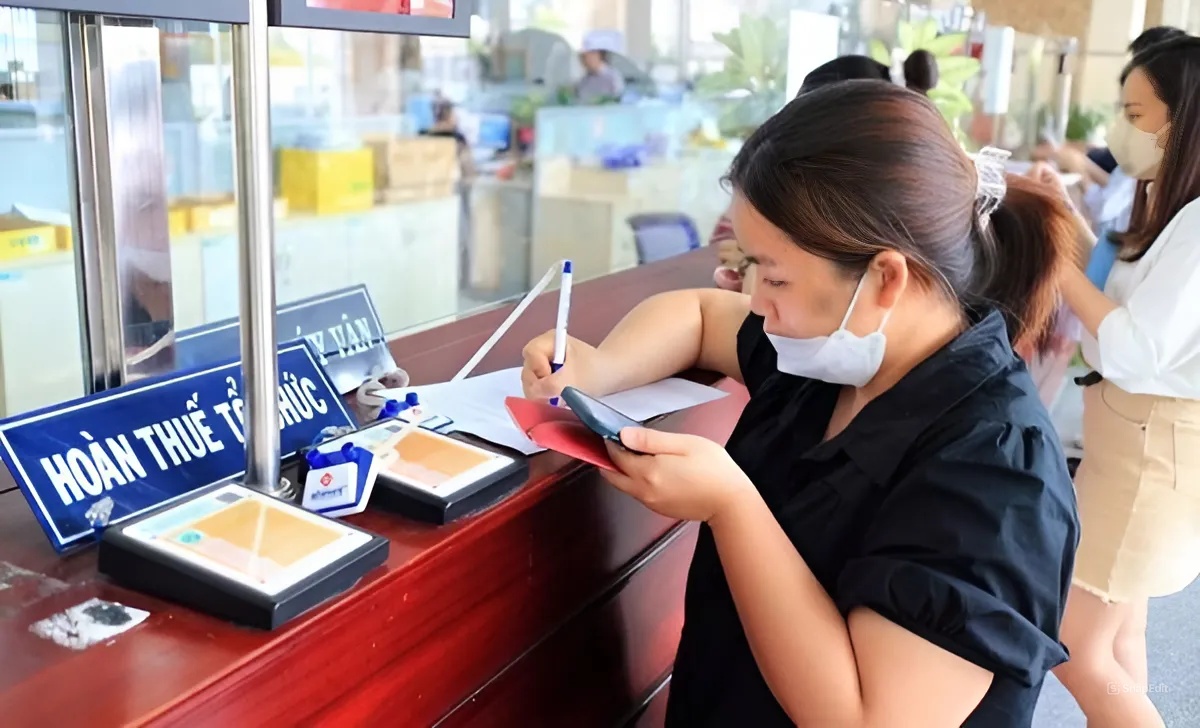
(840, 358)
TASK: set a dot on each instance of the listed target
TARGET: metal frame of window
(298, 13)
(215, 11)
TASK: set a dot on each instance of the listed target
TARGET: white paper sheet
(476, 404)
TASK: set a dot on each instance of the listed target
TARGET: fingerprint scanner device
(239, 555)
(435, 478)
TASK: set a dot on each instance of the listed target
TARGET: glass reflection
(41, 358)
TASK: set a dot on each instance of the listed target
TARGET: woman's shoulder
(1003, 433)
(1185, 224)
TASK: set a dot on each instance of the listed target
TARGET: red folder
(558, 429)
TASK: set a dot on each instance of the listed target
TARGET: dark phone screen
(597, 416)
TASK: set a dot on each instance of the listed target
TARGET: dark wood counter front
(560, 606)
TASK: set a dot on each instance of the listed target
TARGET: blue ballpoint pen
(560, 326)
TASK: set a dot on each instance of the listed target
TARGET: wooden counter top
(560, 606)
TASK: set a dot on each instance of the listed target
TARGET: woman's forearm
(1088, 303)
(799, 639)
(659, 338)
(1085, 239)
(671, 333)
(1094, 174)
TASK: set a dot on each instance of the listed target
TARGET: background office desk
(560, 606)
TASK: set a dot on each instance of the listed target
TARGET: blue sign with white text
(342, 326)
(147, 444)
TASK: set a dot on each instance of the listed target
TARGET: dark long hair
(1152, 36)
(1173, 67)
(845, 68)
(921, 71)
(855, 168)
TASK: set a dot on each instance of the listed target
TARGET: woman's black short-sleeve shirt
(945, 506)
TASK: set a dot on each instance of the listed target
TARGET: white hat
(604, 40)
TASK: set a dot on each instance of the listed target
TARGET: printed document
(476, 404)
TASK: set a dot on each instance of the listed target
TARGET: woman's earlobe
(893, 277)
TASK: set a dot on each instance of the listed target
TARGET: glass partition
(446, 175)
(202, 212)
(41, 357)
(443, 174)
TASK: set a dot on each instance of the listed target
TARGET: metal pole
(256, 250)
(96, 263)
(1068, 48)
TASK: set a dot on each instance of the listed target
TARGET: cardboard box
(327, 182)
(205, 214)
(415, 167)
(178, 222)
(195, 215)
(36, 216)
(433, 191)
(22, 238)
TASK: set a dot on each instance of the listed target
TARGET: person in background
(731, 272)
(1139, 482)
(601, 82)
(6, 92)
(921, 72)
(1097, 164)
(445, 124)
(888, 538)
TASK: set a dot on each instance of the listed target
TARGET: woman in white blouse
(1139, 483)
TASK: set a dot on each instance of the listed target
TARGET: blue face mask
(841, 358)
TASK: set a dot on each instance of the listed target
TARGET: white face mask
(840, 358)
(1136, 151)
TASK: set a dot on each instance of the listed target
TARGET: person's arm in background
(1151, 335)
(661, 337)
(729, 274)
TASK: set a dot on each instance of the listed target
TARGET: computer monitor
(495, 131)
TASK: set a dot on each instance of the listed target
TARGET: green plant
(751, 86)
(954, 68)
(524, 109)
(1082, 123)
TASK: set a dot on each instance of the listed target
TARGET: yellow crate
(63, 237)
(327, 182)
(20, 238)
(207, 214)
(178, 222)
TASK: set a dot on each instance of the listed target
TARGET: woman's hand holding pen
(538, 378)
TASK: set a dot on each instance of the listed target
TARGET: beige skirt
(1138, 489)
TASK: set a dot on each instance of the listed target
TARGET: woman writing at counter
(1139, 482)
(888, 538)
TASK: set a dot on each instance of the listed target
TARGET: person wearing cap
(601, 82)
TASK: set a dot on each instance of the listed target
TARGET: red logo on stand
(326, 479)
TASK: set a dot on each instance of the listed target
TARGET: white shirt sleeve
(1157, 331)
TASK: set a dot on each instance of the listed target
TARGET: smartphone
(597, 416)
